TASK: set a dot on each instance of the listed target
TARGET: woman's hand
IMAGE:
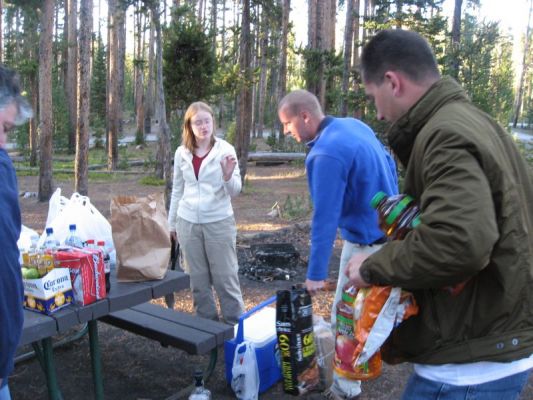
(228, 164)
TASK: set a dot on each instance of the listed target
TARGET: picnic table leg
(96, 360)
(46, 359)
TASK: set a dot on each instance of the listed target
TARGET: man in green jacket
(475, 193)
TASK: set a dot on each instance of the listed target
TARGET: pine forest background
(90, 66)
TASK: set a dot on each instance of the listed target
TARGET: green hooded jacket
(475, 193)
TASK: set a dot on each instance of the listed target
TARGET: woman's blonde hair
(188, 139)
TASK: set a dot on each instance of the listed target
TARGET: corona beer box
(87, 273)
(49, 293)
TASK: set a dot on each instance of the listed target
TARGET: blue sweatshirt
(11, 290)
(346, 166)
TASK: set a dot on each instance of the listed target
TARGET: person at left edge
(206, 176)
(14, 110)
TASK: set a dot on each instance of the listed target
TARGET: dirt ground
(141, 369)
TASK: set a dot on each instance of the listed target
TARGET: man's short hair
(299, 100)
(10, 93)
(398, 50)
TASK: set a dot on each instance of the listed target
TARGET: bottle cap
(100, 243)
(49, 230)
(398, 209)
(72, 227)
(377, 198)
(90, 241)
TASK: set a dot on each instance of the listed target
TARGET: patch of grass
(28, 173)
(151, 180)
(296, 207)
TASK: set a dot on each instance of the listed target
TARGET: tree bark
(243, 125)
(456, 38)
(164, 165)
(519, 95)
(71, 84)
(139, 78)
(81, 183)
(114, 101)
(347, 65)
(263, 45)
(45, 100)
(282, 79)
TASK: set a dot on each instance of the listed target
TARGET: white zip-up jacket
(208, 198)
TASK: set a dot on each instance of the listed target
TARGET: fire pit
(271, 261)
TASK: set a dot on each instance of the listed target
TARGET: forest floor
(137, 368)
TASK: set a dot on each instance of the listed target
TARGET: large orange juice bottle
(398, 214)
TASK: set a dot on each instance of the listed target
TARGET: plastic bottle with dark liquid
(398, 214)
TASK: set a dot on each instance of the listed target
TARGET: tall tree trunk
(456, 38)
(244, 112)
(139, 77)
(45, 100)
(222, 56)
(33, 128)
(358, 110)
(149, 98)
(347, 65)
(164, 165)
(262, 90)
(81, 183)
(518, 101)
(282, 79)
(114, 103)
(71, 84)
(121, 64)
(312, 45)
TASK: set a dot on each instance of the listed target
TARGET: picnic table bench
(187, 332)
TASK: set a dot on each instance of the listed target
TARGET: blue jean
(508, 388)
(4, 393)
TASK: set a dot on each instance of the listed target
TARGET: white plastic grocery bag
(245, 372)
(90, 223)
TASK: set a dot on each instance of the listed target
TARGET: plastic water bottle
(50, 242)
(72, 238)
(107, 265)
(199, 392)
(398, 214)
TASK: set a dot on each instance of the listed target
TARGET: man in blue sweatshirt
(346, 166)
(14, 110)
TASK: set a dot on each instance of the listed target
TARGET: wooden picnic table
(39, 328)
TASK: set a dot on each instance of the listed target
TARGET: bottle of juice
(398, 214)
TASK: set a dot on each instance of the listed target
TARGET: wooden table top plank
(37, 326)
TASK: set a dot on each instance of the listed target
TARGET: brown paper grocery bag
(140, 233)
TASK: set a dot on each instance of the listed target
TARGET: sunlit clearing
(261, 226)
(284, 175)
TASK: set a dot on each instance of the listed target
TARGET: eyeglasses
(201, 122)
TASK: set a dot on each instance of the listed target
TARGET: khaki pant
(211, 261)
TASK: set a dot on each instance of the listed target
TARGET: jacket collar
(402, 133)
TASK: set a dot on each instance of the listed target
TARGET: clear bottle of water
(72, 238)
(50, 242)
(107, 264)
(199, 392)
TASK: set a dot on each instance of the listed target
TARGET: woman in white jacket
(206, 176)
